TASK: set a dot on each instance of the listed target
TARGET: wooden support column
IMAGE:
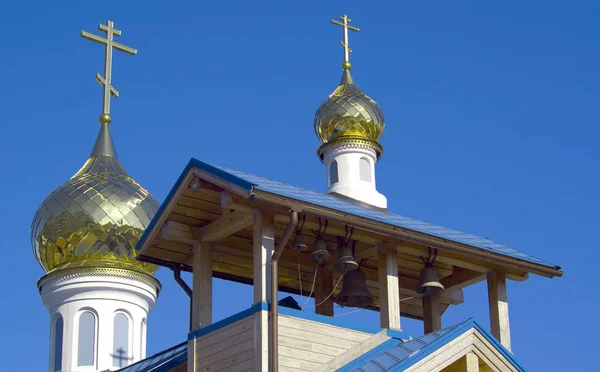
(432, 314)
(323, 288)
(498, 301)
(468, 363)
(389, 290)
(201, 307)
(264, 244)
(202, 286)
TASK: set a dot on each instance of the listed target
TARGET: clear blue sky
(492, 114)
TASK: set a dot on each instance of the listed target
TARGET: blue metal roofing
(160, 362)
(251, 182)
(397, 355)
(329, 201)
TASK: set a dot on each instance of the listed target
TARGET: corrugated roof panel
(333, 202)
(161, 361)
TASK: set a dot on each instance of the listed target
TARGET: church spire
(349, 124)
(104, 144)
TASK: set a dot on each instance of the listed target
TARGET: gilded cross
(345, 24)
(106, 80)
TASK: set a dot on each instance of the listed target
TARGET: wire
(350, 312)
(334, 288)
(407, 298)
(299, 273)
(312, 288)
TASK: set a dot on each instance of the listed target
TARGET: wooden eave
(188, 213)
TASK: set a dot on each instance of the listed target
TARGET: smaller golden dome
(348, 113)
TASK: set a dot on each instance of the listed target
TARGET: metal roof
(397, 355)
(161, 362)
(251, 183)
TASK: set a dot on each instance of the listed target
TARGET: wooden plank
(207, 348)
(389, 291)
(202, 286)
(355, 352)
(432, 314)
(323, 289)
(225, 354)
(287, 363)
(225, 364)
(498, 302)
(331, 350)
(320, 329)
(461, 278)
(225, 226)
(223, 334)
(178, 232)
(228, 202)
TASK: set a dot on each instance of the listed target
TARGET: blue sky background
(492, 120)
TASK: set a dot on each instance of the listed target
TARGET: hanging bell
(354, 292)
(429, 283)
(319, 252)
(345, 262)
(298, 243)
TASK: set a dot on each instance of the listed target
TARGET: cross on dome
(106, 80)
(346, 26)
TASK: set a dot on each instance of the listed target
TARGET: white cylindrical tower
(98, 317)
(97, 294)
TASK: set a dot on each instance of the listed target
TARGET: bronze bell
(319, 252)
(345, 262)
(298, 243)
(429, 283)
(354, 293)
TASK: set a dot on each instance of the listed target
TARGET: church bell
(319, 252)
(298, 243)
(429, 283)
(345, 262)
(354, 292)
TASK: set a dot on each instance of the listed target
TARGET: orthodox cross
(121, 357)
(105, 80)
(345, 24)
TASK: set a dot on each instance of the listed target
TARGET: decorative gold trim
(101, 271)
(359, 142)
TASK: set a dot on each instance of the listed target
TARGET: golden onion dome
(96, 218)
(349, 114)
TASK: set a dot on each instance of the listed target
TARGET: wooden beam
(228, 202)
(264, 244)
(432, 314)
(263, 247)
(323, 288)
(389, 291)
(178, 232)
(202, 286)
(225, 226)
(462, 278)
(498, 302)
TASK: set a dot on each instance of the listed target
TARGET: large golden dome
(96, 218)
(348, 113)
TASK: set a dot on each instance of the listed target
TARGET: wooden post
(201, 307)
(264, 244)
(498, 301)
(389, 290)
(468, 363)
(202, 286)
(432, 314)
(323, 288)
